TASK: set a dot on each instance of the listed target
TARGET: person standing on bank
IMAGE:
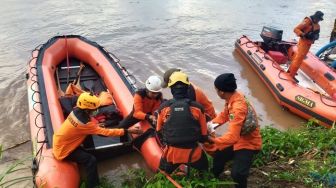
(67, 140)
(194, 93)
(181, 122)
(242, 140)
(146, 101)
(308, 31)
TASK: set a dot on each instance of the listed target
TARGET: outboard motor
(272, 37)
(269, 34)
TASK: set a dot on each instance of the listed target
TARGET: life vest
(312, 34)
(181, 128)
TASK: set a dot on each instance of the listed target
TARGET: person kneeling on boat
(194, 93)
(242, 140)
(308, 31)
(67, 140)
(181, 122)
(146, 101)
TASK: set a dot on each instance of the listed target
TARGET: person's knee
(92, 161)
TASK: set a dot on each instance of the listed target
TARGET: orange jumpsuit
(303, 45)
(144, 105)
(205, 102)
(180, 155)
(73, 132)
(235, 111)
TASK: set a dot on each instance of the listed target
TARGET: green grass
(306, 157)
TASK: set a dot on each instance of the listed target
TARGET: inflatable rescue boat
(77, 61)
(312, 95)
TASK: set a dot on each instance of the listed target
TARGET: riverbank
(299, 158)
(296, 158)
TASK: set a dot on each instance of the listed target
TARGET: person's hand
(211, 139)
(152, 118)
(303, 35)
(135, 130)
(101, 125)
(211, 127)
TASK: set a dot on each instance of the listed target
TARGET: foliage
(293, 143)
(14, 168)
(310, 153)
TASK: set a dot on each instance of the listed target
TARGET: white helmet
(153, 84)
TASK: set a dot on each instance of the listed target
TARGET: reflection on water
(149, 37)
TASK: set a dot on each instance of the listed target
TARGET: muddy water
(149, 37)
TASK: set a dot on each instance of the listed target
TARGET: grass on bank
(6, 177)
(295, 157)
(304, 157)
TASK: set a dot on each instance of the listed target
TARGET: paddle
(70, 89)
(59, 89)
(77, 80)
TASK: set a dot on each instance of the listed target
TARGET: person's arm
(222, 117)
(160, 119)
(93, 128)
(138, 108)
(207, 104)
(238, 113)
(299, 29)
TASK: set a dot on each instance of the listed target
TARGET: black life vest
(181, 128)
(312, 34)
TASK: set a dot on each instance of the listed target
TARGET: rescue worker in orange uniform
(181, 122)
(67, 140)
(146, 102)
(194, 93)
(333, 33)
(308, 31)
(236, 144)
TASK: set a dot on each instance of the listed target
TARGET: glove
(211, 127)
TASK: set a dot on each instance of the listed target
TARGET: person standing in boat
(242, 141)
(333, 33)
(146, 101)
(194, 93)
(67, 140)
(182, 124)
(308, 31)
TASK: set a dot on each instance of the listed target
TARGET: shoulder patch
(231, 116)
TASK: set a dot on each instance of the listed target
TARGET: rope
(281, 70)
(33, 78)
(130, 78)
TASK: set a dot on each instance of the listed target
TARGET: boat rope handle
(33, 71)
(130, 78)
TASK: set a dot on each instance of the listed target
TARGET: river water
(149, 37)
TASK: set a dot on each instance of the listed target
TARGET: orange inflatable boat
(54, 65)
(270, 59)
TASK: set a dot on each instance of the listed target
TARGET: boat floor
(305, 81)
(89, 80)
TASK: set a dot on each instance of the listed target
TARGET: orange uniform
(235, 112)
(181, 155)
(144, 105)
(205, 102)
(73, 132)
(304, 44)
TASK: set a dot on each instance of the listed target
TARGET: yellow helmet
(88, 101)
(178, 77)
